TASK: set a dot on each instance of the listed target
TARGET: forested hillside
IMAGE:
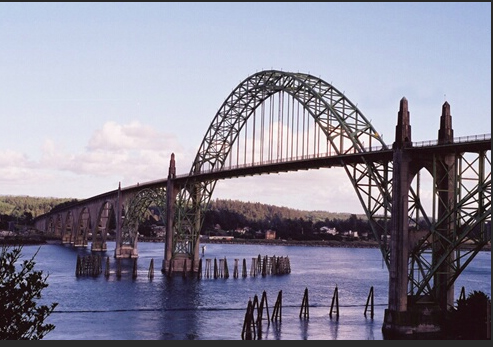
(19, 206)
(228, 216)
(222, 217)
(255, 211)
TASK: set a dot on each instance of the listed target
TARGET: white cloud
(134, 136)
(132, 151)
(128, 153)
(10, 158)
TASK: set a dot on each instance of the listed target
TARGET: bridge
(277, 121)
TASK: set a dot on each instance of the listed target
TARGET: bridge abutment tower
(173, 262)
(419, 316)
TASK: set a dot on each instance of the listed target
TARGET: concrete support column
(399, 237)
(198, 217)
(396, 319)
(170, 211)
(118, 217)
(445, 178)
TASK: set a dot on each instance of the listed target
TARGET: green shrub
(21, 318)
(471, 319)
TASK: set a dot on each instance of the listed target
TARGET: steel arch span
(343, 129)
(339, 123)
(134, 212)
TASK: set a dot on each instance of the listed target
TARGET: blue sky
(93, 94)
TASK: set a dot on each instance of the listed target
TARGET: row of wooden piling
(91, 265)
(88, 265)
(259, 266)
(252, 325)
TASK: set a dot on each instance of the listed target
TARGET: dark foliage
(25, 208)
(471, 319)
(289, 224)
(21, 317)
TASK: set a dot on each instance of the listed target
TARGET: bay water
(136, 306)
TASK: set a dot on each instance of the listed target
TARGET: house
(270, 235)
(328, 231)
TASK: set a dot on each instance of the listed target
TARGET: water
(177, 308)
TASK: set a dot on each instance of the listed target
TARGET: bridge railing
(288, 160)
(462, 139)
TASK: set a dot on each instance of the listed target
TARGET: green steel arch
(348, 131)
(137, 209)
(343, 124)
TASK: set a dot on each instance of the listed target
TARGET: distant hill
(222, 216)
(19, 205)
(255, 211)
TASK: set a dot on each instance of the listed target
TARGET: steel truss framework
(441, 252)
(343, 126)
(346, 130)
(137, 210)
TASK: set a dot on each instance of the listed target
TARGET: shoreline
(307, 243)
(40, 240)
(319, 243)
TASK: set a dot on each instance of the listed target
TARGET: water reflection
(179, 307)
(304, 329)
(334, 327)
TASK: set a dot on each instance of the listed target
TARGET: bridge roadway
(474, 143)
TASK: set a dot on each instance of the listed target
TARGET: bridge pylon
(418, 306)
(178, 257)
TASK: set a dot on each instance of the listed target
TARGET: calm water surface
(177, 308)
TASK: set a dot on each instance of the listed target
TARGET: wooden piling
(335, 299)
(258, 322)
(264, 267)
(274, 261)
(150, 273)
(226, 270)
(235, 269)
(107, 269)
(370, 300)
(462, 295)
(249, 331)
(78, 265)
(253, 268)
(263, 303)
(134, 270)
(244, 271)
(199, 272)
(304, 311)
(276, 313)
(220, 273)
(207, 268)
(215, 269)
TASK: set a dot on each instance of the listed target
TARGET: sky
(93, 95)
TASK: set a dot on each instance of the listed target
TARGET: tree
(471, 319)
(21, 317)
